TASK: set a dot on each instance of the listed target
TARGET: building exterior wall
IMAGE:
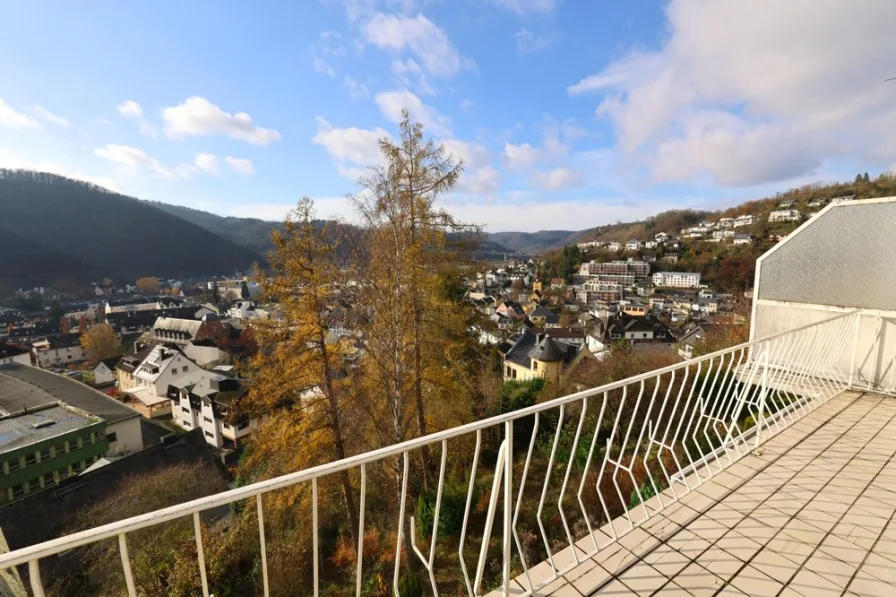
(838, 262)
(125, 437)
(59, 357)
(102, 375)
(46, 462)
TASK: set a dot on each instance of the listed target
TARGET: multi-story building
(723, 234)
(59, 350)
(677, 279)
(23, 387)
(746, 220)
(784, 215)
(633, 268)
(593, 291)
(42, 445)
(206, 401)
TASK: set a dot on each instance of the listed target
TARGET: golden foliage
(100, 342)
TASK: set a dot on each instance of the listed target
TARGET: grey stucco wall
(846, 257)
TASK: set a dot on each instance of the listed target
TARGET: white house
(159, 369)
(633, 245)
(614, 246)
(723, 234)
(746, 220)
(206, 402)
(742, 239)
(59, 351)
(10, 353)
(104, 372)
(784, 215)
(677, 279)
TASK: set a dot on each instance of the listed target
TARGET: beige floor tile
(775, 566)
(738, 545)
(643, 579)
(698, 580)
(868, 586)
(592, 579)
(834, 570)
(755, 583)
(880, 568)
(811, 584)
(615, 589)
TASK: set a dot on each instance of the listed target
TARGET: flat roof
(20, 430)
(24, 386)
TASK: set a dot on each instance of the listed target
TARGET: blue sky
(568, 114)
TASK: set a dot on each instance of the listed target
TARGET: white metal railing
(669, 429)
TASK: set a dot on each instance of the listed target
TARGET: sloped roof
(548, 350)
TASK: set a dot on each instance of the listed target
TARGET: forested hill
(57, 228)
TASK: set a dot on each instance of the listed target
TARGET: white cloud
(479, 177)
(738, 93)
(466, 104)
(13, 161)
(322, 66)
(419, 35)
(355, 89)
(391, 104)
(529, 43)
(207, 162)
(523, 7)
(50, 117)
(350, 145)
(197, 116)
(522, 156)
(9, 118)
(241, 165)
(133, 158)
(411, 75)
(556, 179)
(130, 109)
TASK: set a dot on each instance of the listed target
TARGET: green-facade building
(39, 447)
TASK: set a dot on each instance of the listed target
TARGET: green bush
(451, 517)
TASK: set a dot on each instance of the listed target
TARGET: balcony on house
(766, 468)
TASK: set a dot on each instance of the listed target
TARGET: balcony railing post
(855, 350)
(764, 391)
(508, 505)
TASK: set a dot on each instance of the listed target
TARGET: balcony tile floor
(807, 514)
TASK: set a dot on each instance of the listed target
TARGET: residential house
(544, 318)
(58, 351)
(614, 246)
(557, 283)
(635, 330)
(511, 310)
(104, 372)
(843, 198)
(743, 239)
(536, 355)
(784, 215)
(787, 204)
(633, 245)
(207, 401)
(661, 237)
(11, 353)
(818, 202)
(745, 220)
(723, 234)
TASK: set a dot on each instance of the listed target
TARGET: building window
(30, 458)
(208, 434)
(534, 365)
(187, 424)
(207, 420)
(508, 372)
(185, 409)
(111, 437)
(242, 425)
(174, 371)
(186, 367)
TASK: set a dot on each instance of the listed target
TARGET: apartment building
(677, 279)
(784, 215)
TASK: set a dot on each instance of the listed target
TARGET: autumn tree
(148, 285)
(298, 376)
(100, 342)
(413, 328)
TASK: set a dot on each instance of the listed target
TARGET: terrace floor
(809, 513)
